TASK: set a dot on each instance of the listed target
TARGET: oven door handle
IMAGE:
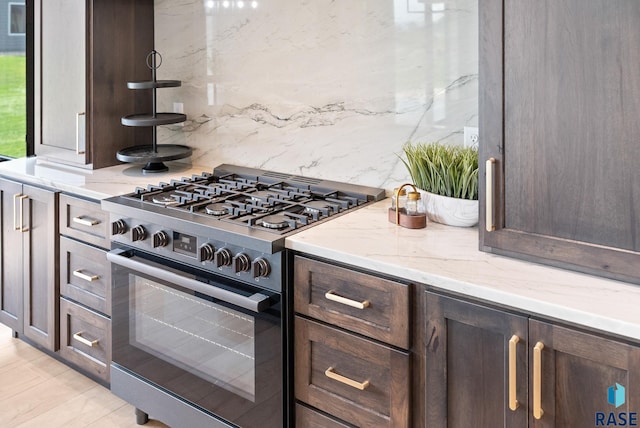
(256, 302)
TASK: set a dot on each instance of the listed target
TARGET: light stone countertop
(448, 258)
(441, 256)
(96, 184)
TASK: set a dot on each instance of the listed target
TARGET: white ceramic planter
(450, 211)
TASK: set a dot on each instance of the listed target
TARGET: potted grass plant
(448, 179)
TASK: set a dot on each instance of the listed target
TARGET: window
(14, 65)
(17, 19)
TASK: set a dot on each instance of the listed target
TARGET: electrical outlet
(471, 137)
(178, 108)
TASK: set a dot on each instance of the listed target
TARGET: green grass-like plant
(13, 105)
(443, 169)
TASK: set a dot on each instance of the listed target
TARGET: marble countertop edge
(536, 290)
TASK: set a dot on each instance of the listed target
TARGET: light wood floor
(39, 391)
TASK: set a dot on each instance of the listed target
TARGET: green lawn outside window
(13, 105)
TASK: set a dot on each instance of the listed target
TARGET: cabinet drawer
(320, 290)
(357, 380)
(84, 220)
(85, 339)
(85, 275)
(309, 418)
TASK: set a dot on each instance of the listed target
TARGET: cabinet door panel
(559, 117)
(63, 74)
(467, 365)
(11, 306)
(577, 371)
(41, 267)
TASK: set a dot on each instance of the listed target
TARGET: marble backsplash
(321, 88)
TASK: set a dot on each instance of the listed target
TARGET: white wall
(321, 88)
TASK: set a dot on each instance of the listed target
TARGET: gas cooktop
(246, 206)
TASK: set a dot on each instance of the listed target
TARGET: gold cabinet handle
(80, 132)
(79, 274)
(21, 198)
(78, 336)
(331, 374)
(513, 400)
(331, 295)
(537, 380)
(85, 222)
(490, 224)
(15, 217)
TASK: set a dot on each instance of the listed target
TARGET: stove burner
(164, 199)
(216, 209)
(275, 221)
(316, 206)
(260, 195)
(263, 202)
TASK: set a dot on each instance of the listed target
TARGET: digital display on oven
(184, 244)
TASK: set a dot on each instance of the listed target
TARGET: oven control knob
(160, 239)
(207, 253)
(223, 258)
(138, 233)
(241, 263)
(118, 227)
(261, 268)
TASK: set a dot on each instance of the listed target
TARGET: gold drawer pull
(490, 225)
(78, 273)
(86, 222)
(537, 380)
(77, 336)
(335, 376)
(331, 295)
(513, 400)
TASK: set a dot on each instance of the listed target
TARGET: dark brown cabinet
(85, 287)
(571, 374)
(559, 108)
(86, 52)
(29, 283)
(487, 367)
(352, 364)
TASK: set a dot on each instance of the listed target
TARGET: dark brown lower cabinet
(578, 374)
(307, 417)
(355, 379)
(29, 274)
(489, 368)
(85, 287)
(467, 365)
(85, 339)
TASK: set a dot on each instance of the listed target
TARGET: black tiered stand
(153, 155)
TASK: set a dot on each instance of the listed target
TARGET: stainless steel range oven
(194, 337)
(200, 308)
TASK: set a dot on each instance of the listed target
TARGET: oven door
(210, 342)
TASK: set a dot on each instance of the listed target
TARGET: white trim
(9, 19)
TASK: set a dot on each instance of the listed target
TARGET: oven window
(208, 340)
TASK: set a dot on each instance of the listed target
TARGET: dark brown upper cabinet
(85, 53)
(560, 133)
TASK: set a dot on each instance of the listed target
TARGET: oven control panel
(205, 253)
(184, 244)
